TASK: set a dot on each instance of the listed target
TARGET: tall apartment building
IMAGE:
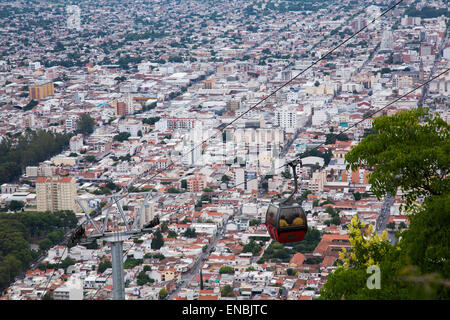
(41, 90)
(124, 105)
(286, 117)
(56, 193)
(147, 213)
(245, 180)
(387, 42)
(180, 123)
(76, 143)
(317, 181)
(233, 105)
(121, 108)
(74, 20)
(196, 183)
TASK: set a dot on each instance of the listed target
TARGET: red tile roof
(201, 297)
(297, 259)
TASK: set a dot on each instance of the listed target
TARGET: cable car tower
(132, 229)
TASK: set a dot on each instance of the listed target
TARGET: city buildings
(184, 87)
(41, 90)
(56, 193)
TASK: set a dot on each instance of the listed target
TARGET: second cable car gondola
(286, 222)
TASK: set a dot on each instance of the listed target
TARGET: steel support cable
(360, 121)
(53, 273)
(276, 90)
(220, 130)
(343, 131)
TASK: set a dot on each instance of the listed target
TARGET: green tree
(172, 234)
(90, 158)
(67, 262)
(45, 244)
(142, 278)
(163, 293)
(165, 226)
(30, 105)
(227, 291)
(427, 241)
(104, 265)
(157, 241)
(15, 205)
(226, 269)
(417, 267)
(408, 150)
(122, 136)
(291, 272)
(252, 247)
(85, 124)
(130, 263)
(190, 233)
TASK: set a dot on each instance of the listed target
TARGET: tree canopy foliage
(85, 124)
(157, 241)
(408, 151)
(28, 149)
(18, 230)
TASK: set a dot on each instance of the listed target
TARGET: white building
(446, 53)
(387, 41)
(286, 117)
(245, 180)
(74, 20)
(72, 289)
(80, 253)
(71, 123)
(76, 143)
(209, 228)
(319, 117)
(131, 126)
(147, 213)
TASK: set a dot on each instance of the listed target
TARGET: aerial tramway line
(281, 226)
(286, 221)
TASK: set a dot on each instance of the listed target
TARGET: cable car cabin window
(271, 216)
(292, 217)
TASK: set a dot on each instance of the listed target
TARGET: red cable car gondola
(286, 222)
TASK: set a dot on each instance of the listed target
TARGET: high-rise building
(41, 90)
(147, 213)
(121, 108)
(233, 105)
(191, 153)
(286, 117)
(246, 180)
(317, 181)
(56, 193)
(387, 42)
(73, 20)
(209, 84)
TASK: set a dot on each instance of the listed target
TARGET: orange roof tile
(200, 297)
(297, 259)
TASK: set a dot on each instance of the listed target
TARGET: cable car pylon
(116, 238)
